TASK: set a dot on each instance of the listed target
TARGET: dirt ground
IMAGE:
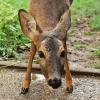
(82, 42)
(85, 88)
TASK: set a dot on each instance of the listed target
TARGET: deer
(46, 24)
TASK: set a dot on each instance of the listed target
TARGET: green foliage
(70, 34)
(17, 4)
(95, 65)
(86, 8)
(95, 23)
(10, 34)
(78, 45)
(95, 52)
(89, 33)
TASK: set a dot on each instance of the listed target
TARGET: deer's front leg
(27, 78)
(68, 77)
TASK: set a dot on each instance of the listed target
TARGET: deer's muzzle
(54, 83)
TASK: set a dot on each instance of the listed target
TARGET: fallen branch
(76, 70)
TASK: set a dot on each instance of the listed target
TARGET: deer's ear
(63, 25)
(64, 22)
(27, 23)
(69, 2)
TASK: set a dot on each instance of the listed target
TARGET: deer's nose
(54, 83)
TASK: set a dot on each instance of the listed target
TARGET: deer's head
(49, 44)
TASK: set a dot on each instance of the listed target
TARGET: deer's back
(47, 12)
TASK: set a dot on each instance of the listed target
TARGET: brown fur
(46, 25)
(46, 17)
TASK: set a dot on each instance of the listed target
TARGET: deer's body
(47, 13)
(46, 24)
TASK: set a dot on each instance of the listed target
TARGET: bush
(10, 33)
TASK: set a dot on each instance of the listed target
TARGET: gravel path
(85, 88)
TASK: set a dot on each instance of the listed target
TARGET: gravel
(85, 88)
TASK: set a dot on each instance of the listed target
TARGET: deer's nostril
(41, 54)
(55, 83)
(62, 54)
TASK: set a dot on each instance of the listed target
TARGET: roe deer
(46, 24)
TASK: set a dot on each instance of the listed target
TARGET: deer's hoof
(70, 89)
(24, 90)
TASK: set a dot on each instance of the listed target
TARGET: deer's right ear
(27, 23)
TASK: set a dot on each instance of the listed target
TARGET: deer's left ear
(28, 24)
(63, 25)
(69, 2)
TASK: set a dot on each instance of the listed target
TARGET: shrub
(10, 33)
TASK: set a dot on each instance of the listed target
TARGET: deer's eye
(41, 54)
(62, 54)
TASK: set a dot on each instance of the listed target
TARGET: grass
(95, 65)
(78, 45)
(70, 34)
(95, 23)
(18, 4)
(88, 33)
(95, 52)
(87, 8)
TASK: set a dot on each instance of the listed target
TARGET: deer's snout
(54, 83)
